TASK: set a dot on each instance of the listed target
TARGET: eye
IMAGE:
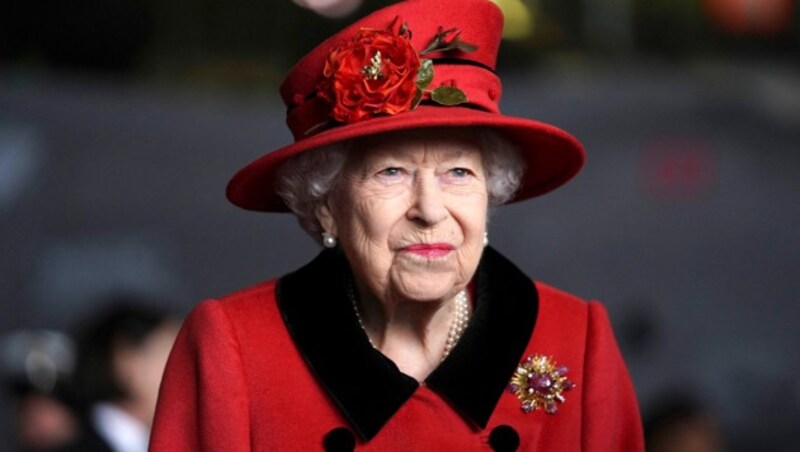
(459, 175)
(390, 172)
(391, 175)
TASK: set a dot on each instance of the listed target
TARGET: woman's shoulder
(554, 299)
(554, 295)
(247, 320)
(246, 298)
(574, 331)
(564, 315)
(236, 308)
(253, 295)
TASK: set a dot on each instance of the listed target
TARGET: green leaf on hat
(457, 44)
(417, 99)
(465, 46)
(441, 43)
(425, 74)
(434, 45)
(448, 95)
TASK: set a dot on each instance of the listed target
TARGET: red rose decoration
(373, 74)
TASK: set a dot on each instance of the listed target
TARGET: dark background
(122, 120)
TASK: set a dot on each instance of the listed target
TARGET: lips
(429, 250)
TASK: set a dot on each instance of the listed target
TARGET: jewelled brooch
(539, 383)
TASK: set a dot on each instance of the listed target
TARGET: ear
(325, 217)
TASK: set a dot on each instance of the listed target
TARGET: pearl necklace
(460, 321)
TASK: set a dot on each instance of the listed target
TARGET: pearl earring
(485, 238)
(328, 241)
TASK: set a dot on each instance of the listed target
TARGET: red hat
(375, 76)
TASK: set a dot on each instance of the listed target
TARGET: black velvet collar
(367, 386)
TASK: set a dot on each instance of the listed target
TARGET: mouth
(429, 250)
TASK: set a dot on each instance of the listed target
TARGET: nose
(428, 203)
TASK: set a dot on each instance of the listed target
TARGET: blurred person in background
(677, 422)
(407, 332)
(122, 351)
(44, 421)
(36, 367)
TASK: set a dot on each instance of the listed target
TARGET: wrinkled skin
(403, 190)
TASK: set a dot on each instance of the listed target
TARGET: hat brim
(552, 156)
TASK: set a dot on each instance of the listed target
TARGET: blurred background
(122, 120)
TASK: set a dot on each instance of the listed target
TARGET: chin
(424, 290)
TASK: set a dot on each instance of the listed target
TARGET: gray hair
(305, 181)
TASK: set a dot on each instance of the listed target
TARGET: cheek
(373, 216)
(470, 211)
(471, 215)
(366, 238)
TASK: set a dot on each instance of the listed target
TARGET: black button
(504, 439)
(340, 440)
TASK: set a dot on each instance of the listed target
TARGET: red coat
(285, 366)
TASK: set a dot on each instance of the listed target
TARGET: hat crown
(372, 78)
(480, 22)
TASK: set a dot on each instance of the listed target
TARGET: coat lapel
(366, 386)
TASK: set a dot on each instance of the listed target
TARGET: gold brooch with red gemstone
(539, 382)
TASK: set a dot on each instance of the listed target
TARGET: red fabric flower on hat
(373, 74)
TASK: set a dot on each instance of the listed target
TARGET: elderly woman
(407, 332)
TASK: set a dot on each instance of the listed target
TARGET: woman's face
(410, 214)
